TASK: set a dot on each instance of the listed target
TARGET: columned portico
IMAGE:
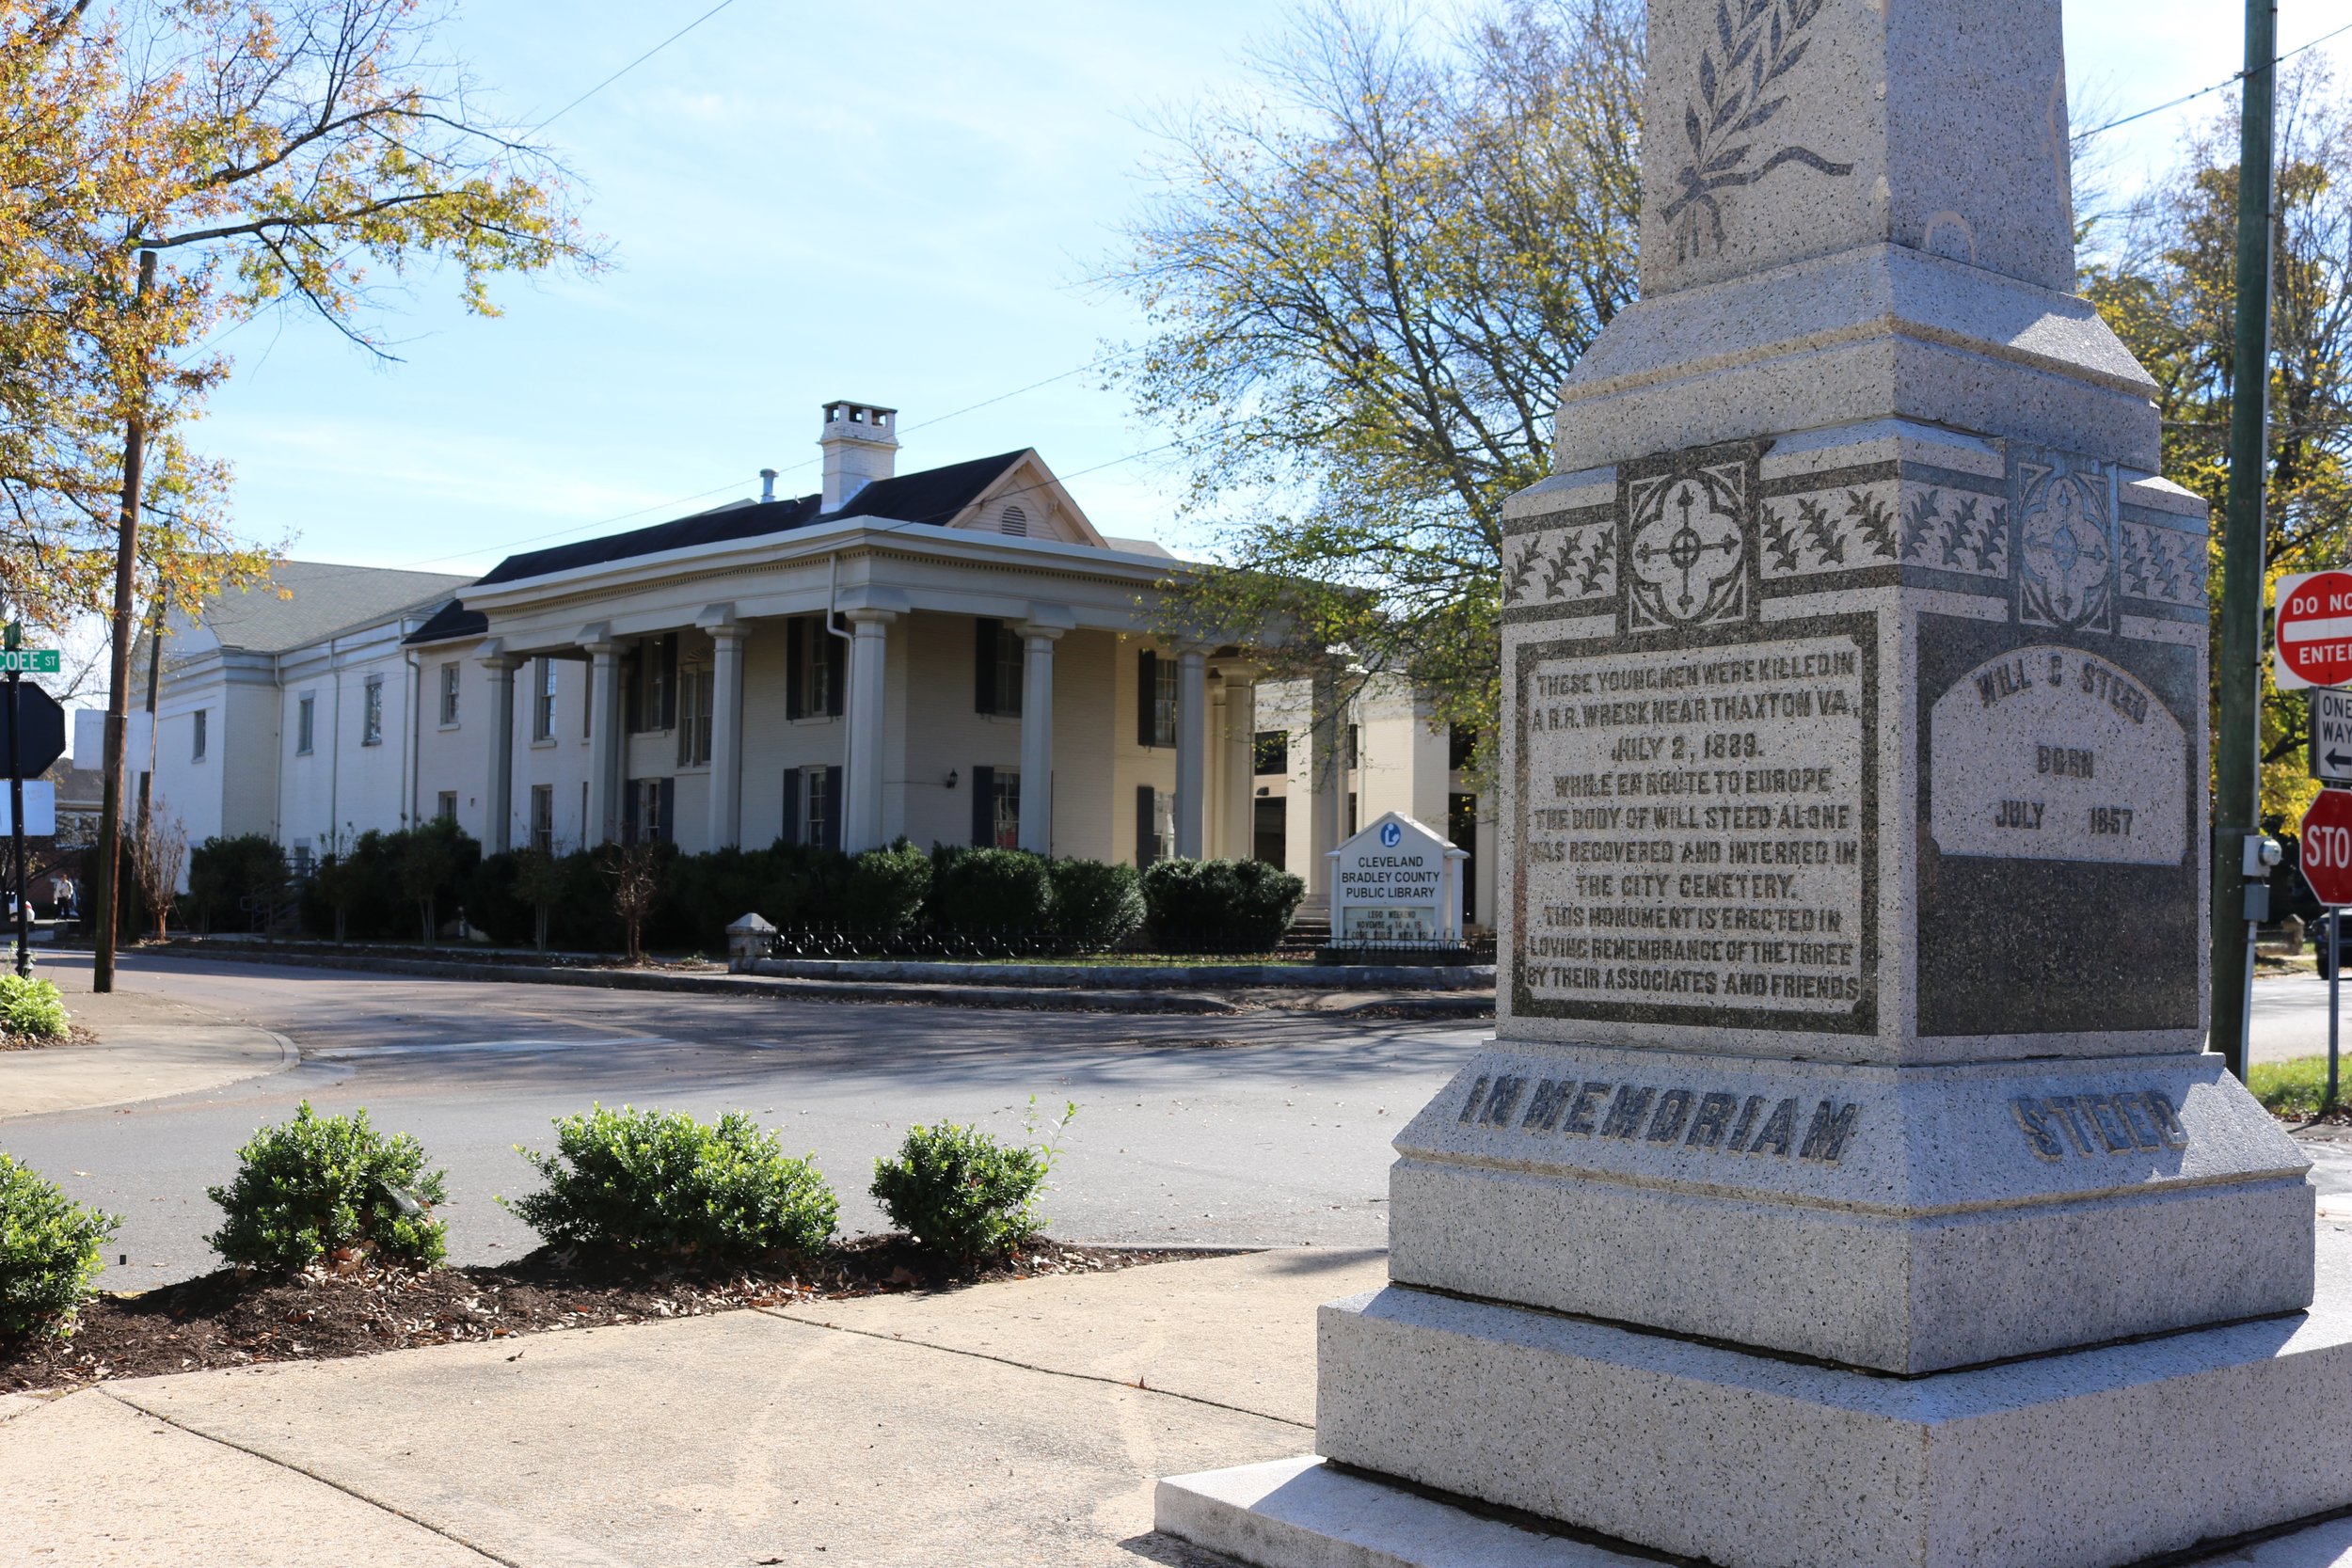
(869, 665)
(1037, 737)
(1239, 822)
(1192, 748)
(604, 737)
(726, 726)
(497, 786)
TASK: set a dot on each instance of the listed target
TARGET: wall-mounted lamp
(951, 778)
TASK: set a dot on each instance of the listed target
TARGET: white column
(604, 743)
(726, 736)
(497, 786)
(869, 658)
(1192, 720)
(1037, 738)
(1240, 737)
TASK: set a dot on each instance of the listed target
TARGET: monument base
(2081, 1459)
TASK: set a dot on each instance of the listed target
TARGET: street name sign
(2311, 634)
(30, 662)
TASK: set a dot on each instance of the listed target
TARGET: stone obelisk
(1846, 1184)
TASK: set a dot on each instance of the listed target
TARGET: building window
(1350, 754)
(655, 691)
(995, 808)
(543, 700)
(543, 818)
(303, 865)
(306, 724)
(696, 688)
(449, 694)
(812, 807)
(646, 809)
(1461, 745)
(1155, 699)
(813, 669)
(372, 712)
(1461, 826)
(446, 808)
(1155, 826)
(1271, 751)
(999, 657)
(201, 716)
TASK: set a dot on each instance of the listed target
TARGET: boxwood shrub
(51, 1250)
(1219, 906)
(317, 1185)
(887, 889)
(963, 1194)
(1097, 904)
(1005, 892)
(661, 1183)
(31, 1007)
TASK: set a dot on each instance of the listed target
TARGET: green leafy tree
(2166, 281)
(1365, 280)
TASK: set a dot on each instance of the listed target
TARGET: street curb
(1457, 1004)
(1239, 976)
(728, 985)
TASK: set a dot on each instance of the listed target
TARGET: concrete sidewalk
(147, 1047)
(1022, 1423)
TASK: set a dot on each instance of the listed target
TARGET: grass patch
(2293, 1089)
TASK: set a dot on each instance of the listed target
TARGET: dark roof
(933, 496)
(452, 620)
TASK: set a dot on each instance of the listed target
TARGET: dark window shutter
(983, 806)
(791, 834)
(984, 665)
(1147, 693)
(836, 668)
(667, 830)
(795, 664)
(669, 683)
(1147, 844)
(834, 807)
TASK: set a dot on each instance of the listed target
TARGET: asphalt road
(1261, 1129)
(2291, 1017)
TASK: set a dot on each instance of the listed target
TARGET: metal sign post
(16, 809)
(2335, 986)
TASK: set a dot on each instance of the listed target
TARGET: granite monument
(1846, 1182)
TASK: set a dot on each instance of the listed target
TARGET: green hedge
(224, 873)
(1242, 905)
(999, 892)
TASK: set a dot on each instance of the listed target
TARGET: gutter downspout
(413, 737)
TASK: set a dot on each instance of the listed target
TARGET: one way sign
(2331, 736)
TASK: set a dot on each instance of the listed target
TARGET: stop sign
(2326, 847)
(2312, 641)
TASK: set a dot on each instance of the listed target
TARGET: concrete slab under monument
(1845, 1186)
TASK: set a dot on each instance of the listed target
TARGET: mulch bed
(74, 1034)
(225, 1320)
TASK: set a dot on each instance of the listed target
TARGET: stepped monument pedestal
(1846, 1184)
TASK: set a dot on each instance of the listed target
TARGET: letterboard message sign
(1696, 830)
(1396, 881)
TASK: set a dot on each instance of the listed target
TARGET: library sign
(1396, 881)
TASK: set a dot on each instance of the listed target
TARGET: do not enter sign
(2312, 639)
(2326, 844)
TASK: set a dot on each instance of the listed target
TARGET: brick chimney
(861, 445)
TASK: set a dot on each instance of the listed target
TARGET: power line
(632, 65)
(2228, 81)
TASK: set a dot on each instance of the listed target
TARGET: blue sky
(898, 203)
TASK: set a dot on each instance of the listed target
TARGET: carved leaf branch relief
(1737, 92)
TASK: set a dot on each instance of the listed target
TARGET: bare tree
(159, 851)
(635, 872)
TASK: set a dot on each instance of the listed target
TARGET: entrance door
(1269, 829)
(1461, 826)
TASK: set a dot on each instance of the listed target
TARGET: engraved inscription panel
(1678, 1116)
(1693, 833)
(2056, 755)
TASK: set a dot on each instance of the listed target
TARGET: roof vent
(860, 441)
(767, 485)
(1014, 521)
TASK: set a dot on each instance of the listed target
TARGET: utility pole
(106, 903)
(2237, 783)
(16, 814)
